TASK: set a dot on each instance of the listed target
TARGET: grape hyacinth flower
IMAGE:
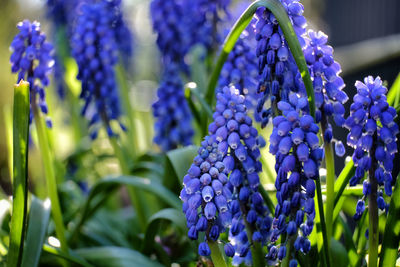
(241, 71)
(240, 142)
(61, 14)
(123, 34)
(295, 144)
(373, 137)
(95, 49)
(328, 85)
(173, 37)
(172, 114)
(222, 183)
(206, 194)
(32, 59)
(173, 41)
(204, 19)
(279, 73)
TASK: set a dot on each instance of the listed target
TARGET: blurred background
(364, 33)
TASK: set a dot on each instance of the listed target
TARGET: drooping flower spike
(172, 114)
(222, 183)
(95, 49)
(328, 85)
(295, 144)
(373, 136)
(32, 59)
(279, 73)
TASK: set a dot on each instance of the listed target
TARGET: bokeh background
(364, 33)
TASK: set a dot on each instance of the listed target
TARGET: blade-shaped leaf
(393, 96)
(391, 237)
(116, 257)
(343, 180)
(72, 257)
(20, 176)
(171, 215)
(104, 188)
(181, 159)
(39, 216)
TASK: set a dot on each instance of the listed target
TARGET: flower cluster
(32, 58)
(328, 85)
(173, 37)
(61, 14)
(222, 183)
(279, 73)
(295, 144)
(373, 137)
(204, 19)
(171, 111)
(123, 34)
(95, 49)
(241, 71)
(173, 40)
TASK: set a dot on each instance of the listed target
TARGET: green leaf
(39, 216)
(71, 257)
(284, 22)
(339, 253)
(198, 69)
(391, 236)
(393, 96)
(181, 159)
(348, 241)
(20, 175)
(193, 107)
(116, 257)
(171, 215)
(104, 188)
(343, 179)
(267, 199)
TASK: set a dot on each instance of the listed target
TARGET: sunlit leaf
(39, 215)
(20, 175)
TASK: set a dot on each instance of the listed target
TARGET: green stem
(289, 246)
(284, 22)
(63, 51)
(267, 199)
(373, 215)
(20, 173)
(391, 234)
(343, 179)
(330, 184)
(75, 116)
(203, 103)
(216, 255)
(124, 90)
(133, 194)
(256, 249)
(322, 221)
(50, 176)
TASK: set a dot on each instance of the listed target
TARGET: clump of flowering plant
(229, 163)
